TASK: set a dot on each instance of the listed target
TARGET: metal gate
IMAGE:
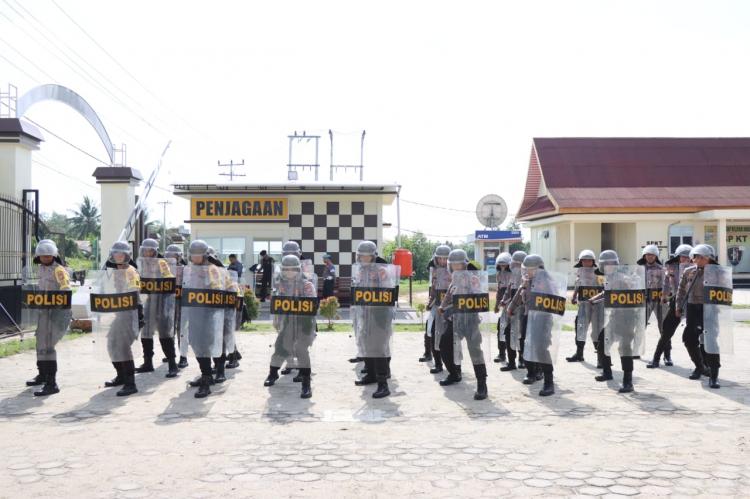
(19, 223)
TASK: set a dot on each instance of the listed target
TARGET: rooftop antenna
(292, 173)
(231, 166)
(334, 166)
(9, 102)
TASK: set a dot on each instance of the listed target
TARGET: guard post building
(322, 218)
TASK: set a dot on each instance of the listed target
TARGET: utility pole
(231, 166)
(164, 225)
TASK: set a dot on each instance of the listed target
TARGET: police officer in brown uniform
(502, 278)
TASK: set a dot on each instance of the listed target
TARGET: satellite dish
(491, 211)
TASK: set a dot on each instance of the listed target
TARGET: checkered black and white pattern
(336, 228)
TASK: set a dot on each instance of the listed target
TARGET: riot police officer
(159, 305)
(123, 330)
(51, 322)
(175, 252)
(296, 327)
(654, 284)
(439, 281)
(503, 277)
(515, 331)
(675, 266)
(466, 279)
(586, 286)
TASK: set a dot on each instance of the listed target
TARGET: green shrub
(251, 305)
(329, 308)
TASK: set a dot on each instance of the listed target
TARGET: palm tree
(86, 220)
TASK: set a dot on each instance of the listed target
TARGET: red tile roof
(637, 174)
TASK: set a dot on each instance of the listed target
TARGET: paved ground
(672, 436)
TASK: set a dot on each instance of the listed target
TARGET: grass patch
(567, 327)
(16, 346)
(337, 328)
(740, 306)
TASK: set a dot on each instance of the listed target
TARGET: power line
(117, 62)
(86, 74)
(435, 206)
(105, 163)
(433, 235)
(19, 68)
(36, 161)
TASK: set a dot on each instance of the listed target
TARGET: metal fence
(19, 221)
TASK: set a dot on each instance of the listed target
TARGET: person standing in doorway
(266, 267)
(329, 276)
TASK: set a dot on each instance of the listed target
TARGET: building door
(680, 234)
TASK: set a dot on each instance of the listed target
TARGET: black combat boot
(627, 375)
(606, 374)
(167, 346)
(369, 378)
(204, 387)
(438, 361)
(148, 356)
(49, 368)
(480, 371)
(306, 389)
(668, 357)
(713, 379)
(220, 373)
(578, 356)
(654, 364)
(128, 387)
(549, 381)
(530, 377)
(39, 378)
(273, 375)
(427, 357)
(117, 380)
(286, 370)
(183, 363)
(233, 362)
(454, 375)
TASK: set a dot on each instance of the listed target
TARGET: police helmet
(586, 254)
(518, 257)
(291, 248)
(122, 247)
(609, 257)
(503, 258)
(533, 262)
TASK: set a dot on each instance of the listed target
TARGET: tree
(86, 219)
(421, 249)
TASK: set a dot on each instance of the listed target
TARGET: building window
(226, 246)
(272, 247)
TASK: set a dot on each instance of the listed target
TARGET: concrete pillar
(17, 141)
(721, 241)
(572, 245)
(118, 185)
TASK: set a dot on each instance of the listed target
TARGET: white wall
(15, 169)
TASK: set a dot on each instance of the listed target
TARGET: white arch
(67, 96)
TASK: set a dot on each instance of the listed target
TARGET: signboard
(496, 235)
(244, 208)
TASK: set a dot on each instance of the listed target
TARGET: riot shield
(46, 300)
(516, 318)
(654, 287)
(182, 338)
(374, 296)
(440, 279)
(114, 305)
(717, 310)
(202, 303)
(158, 289)
(546, 303)
(470, 298)
(232, 289)
(294, 306)
(587, 286)
(625, 307)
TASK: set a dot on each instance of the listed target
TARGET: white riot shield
(440, 279)
(717, 310)
(517, 317)
(202, 304)
(546, 304)
(114, 305)
(654, 288)
(232, 289)
(470, 299)
(158, 289)
(625, 307)
(588, 285)
(294, 306)
(46, 300)
(182, 338)
(374, 296)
